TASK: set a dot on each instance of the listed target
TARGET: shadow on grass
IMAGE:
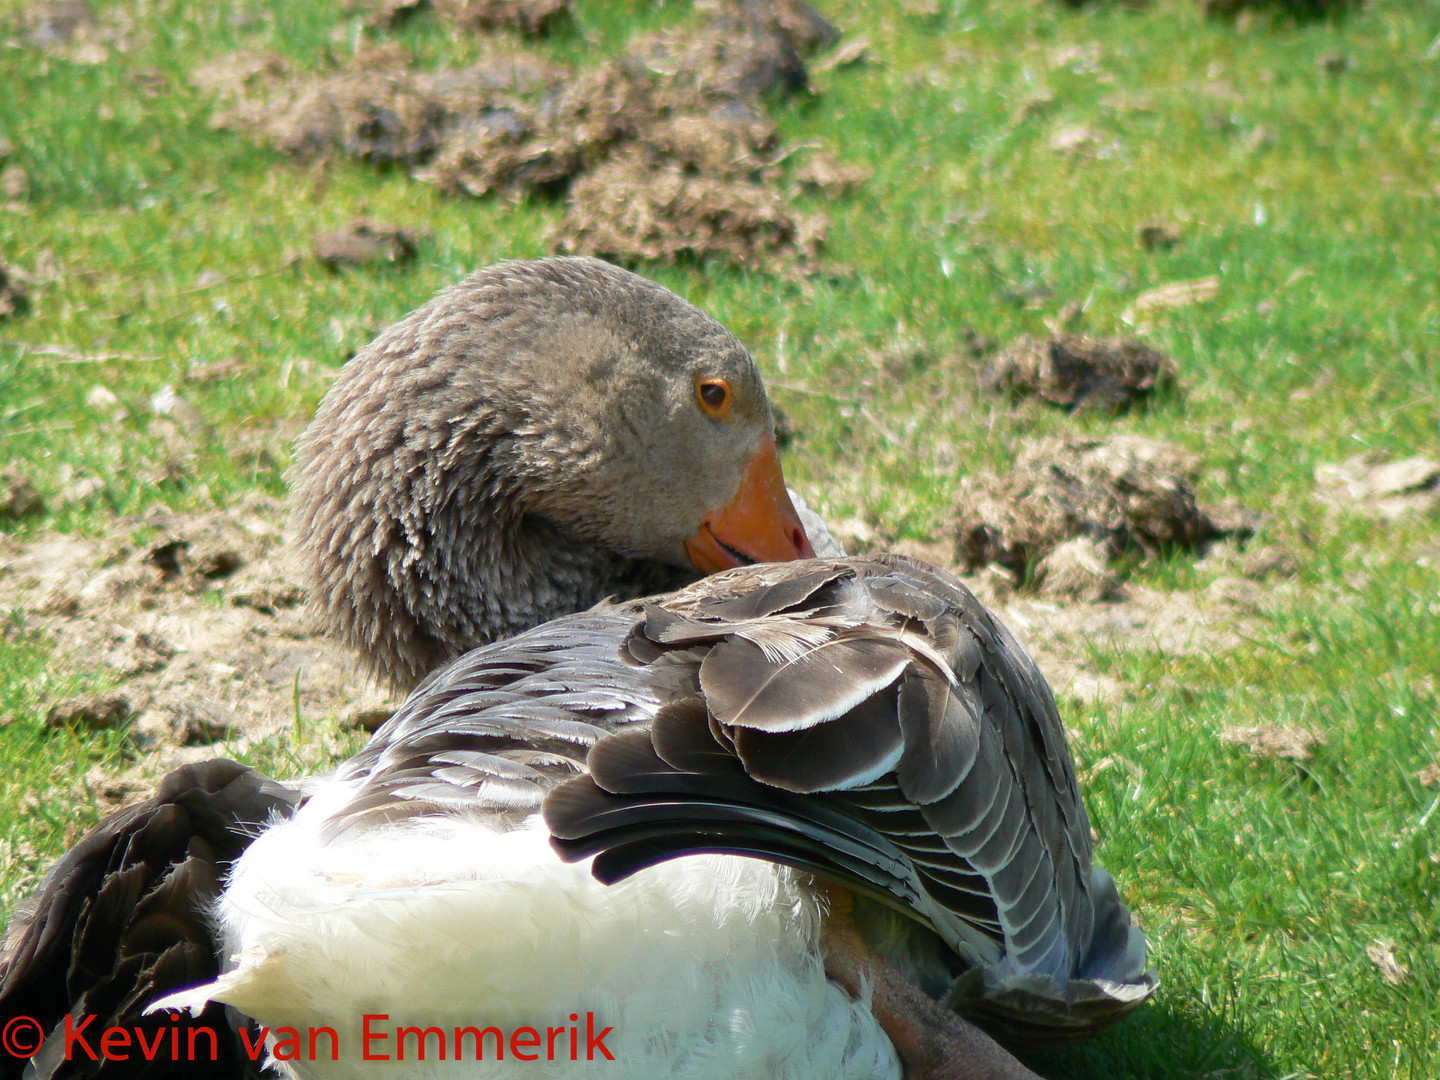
(1297, 10)
(1294, 10)
(1161, 1043)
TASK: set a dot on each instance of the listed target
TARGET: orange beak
(759, 525)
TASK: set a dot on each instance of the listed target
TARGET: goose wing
(492, 733)
(869, 720)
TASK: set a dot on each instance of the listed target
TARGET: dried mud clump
(97, 712)
(1080, 569)
(18, 496)
(748, 49)
(664, 154)
(14, 294)
(1122, 495)
(375, 108)
(366, 243)
(802, 24)
(602, 115)
(629, 209)
(211, 556)
(525, 16)
(1075, 373)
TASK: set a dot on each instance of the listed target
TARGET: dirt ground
(192, 628)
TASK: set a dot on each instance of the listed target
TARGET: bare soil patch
(196, 623)
(1062, 635)
(193, 625)
(1085, 504)
(1290, 743)
(665, 154)
(1384, 489)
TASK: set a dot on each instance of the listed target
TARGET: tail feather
(1033, 1010)
(1030, 1009)
(123, 917)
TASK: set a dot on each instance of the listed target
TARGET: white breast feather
(707, 966)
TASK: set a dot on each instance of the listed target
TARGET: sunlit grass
(1299, 160)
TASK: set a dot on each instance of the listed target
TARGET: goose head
(536, 438)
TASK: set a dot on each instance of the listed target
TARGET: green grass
(1312, 195)
(41, 810)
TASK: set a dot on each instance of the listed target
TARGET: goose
(864, 772)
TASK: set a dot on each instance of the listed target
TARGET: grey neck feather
(484, 584)
(438, 556)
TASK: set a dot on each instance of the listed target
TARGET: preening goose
(861, 725)
(537, 438)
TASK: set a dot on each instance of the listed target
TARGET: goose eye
(714, 395)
